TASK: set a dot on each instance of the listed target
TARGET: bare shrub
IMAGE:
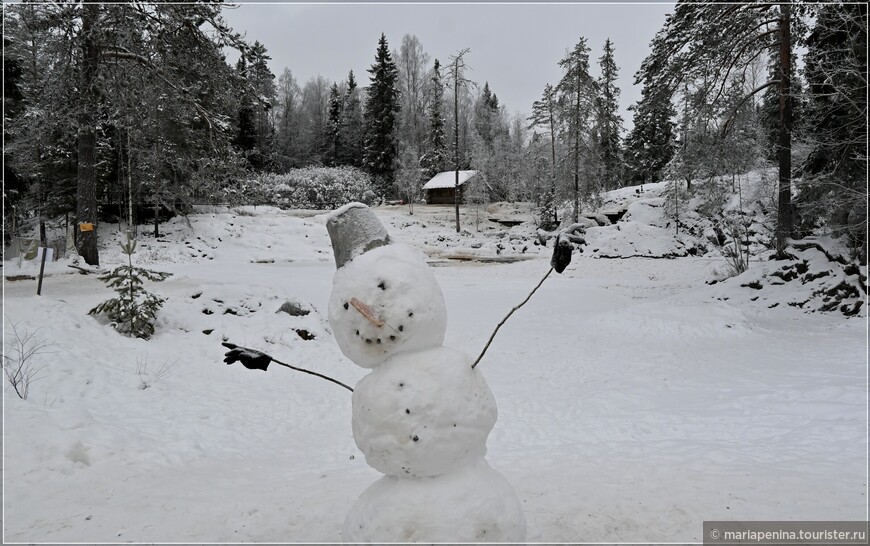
(155, 375)
(736, 254)
(18, 360)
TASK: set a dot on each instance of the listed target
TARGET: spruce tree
(577, 91)
(545, 114)
(609, 122)
(486, 118)
(351, 135)
(134, 310)
(650, 145)
(435, 159)
(246, 131)
(334, 152)
(382, 107)
(834, 185)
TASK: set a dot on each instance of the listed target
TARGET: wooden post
(41, 271)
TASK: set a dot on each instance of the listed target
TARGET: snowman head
(384, 300)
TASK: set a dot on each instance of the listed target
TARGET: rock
(294, 309)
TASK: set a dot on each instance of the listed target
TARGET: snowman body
(422, 415)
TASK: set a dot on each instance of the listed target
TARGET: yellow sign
(86, 227)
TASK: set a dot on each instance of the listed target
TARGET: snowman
(423, 414)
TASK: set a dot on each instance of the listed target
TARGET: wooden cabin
(441, 189)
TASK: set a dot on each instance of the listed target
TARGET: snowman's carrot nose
(367, 312)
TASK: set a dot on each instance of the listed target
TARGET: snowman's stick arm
(509, 316)
(258, 360)
(320, 375)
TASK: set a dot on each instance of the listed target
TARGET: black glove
(251, 359)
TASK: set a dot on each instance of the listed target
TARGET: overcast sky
(514, 47)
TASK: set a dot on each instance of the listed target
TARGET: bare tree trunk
(456, 137)
(129, 182)
(157, 219)
(86, 191)
(553, 166)
(577, 158)
(784, 219)
(157, 173)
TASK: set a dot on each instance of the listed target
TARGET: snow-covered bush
(713, 196)
(134, 310)
(314, 187)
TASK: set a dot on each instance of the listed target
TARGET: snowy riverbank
(633, 404)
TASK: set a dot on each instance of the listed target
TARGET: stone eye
(382, 285)
(345, 305)
(410, 313)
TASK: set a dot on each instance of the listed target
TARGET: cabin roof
(447, 179)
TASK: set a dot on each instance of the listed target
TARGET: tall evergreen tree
(609, 122)
(650, 144)
(435, 159)
(834, 183)
(262, 93)
(40, 120)
(545, 114)
(382, 107)
(13, 105)
(246, 131)
(351, 134)
(577, 92)
(486, 118)
(336, 107)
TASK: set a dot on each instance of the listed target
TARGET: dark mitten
(250, 358)
(561, 254)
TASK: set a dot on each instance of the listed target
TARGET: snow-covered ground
(635, 401)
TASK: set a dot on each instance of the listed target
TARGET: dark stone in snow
(304, 334)
(292, 308)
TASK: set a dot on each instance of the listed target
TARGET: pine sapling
(134, 310)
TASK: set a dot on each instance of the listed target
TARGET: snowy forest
(724, 92)
(703, 356)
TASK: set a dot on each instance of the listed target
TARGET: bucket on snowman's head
(353, 230)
